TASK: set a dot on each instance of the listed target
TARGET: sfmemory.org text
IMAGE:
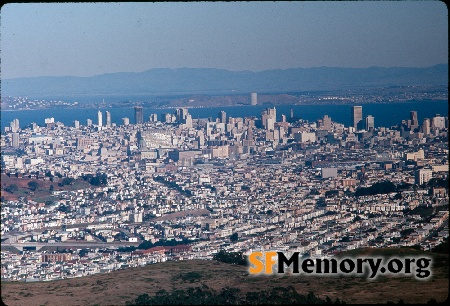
(279, 262)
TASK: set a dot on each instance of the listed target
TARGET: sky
(86, 39)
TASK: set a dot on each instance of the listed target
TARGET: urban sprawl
(172, 187)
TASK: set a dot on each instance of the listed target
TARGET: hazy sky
(85, 39)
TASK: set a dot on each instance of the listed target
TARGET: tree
(12, 188)
(377, 188)
(236, 258)
(398, 196)
(234, 237)
(33, 185)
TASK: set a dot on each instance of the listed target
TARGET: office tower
(370, 122)
(188, 121)
(14, 125)
(438, 122)
(414, 120)
(108, 118)
(15, 140)
(222, 117)
(126, 121)
(283, 118)
(422, 176)
(426, 128)
(169, 117)
(153, 118)
(326, 123)
(200, 139)
(273, 113)
(181, 114)
(357, 117)
(268, 116)
(76, 124)
(292, 114)
(270, 123)
(49, 120)
(139, 114)
(253, 98)
(99, 118)
(249, 133)
(89, 122)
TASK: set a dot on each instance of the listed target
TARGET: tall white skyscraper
(370, 122)
(253, 98)
(426, 126)
(15, 126)
(99, 118)
(357, 117)
(15, 140)
(108, 118)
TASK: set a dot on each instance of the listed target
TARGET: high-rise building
(438, 122)
(139, 114)
(99, 118)
(181, 114)
(153, 118)
(89, 122)
(426, 128)
(273, 113)
(357, 117)
(222, 117)
(200, 139)
(126, 121)
(414, 120)
(188, 121)
(268, 118)
(370, 122)
(326, 123)
(15, 126)
(76, 124)
(108, 118)
(253, 98)
(270, 123)
(249, 133)
(423, 176)
(15, 140)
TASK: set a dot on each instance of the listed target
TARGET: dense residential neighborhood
(101, 197)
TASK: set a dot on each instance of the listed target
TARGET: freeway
(68, 244)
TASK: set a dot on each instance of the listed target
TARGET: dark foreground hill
(118, 287)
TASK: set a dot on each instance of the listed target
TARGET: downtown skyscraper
(99, 118)
(139, 114)
(357, 117)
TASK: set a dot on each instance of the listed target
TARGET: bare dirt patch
(41, 194)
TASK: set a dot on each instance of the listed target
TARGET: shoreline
(238, 105)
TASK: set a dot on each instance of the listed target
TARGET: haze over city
(86, 39)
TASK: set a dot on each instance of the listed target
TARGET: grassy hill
(118, 287)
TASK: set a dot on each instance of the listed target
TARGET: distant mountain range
(164, 81)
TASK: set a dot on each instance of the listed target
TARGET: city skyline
(172, 188)
(226, 132)
(169, 35)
